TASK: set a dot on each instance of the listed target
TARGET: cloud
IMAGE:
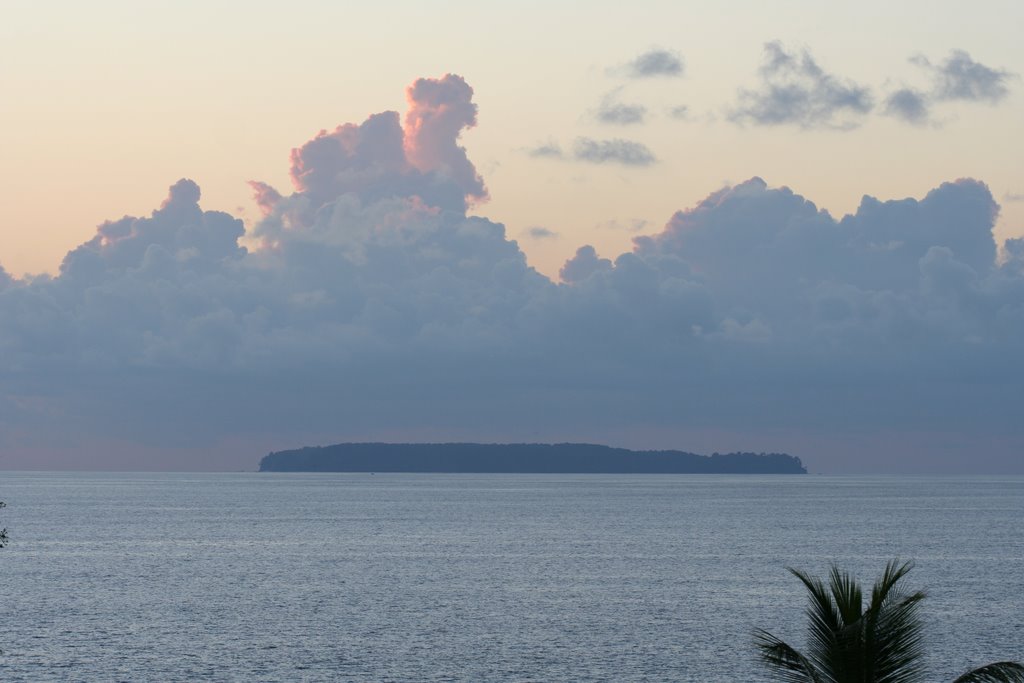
(591, 151)
(372, 306)
(620, 114)
(1013, 197)
(265, 196)
(583, 265)
(908, 105)
(751, 233)
(795, 90)
(632, 225)
(547, 150)
(379, 158)
(439, 110)
(541, 233)
(960, 78)
(612, 111)
(680, 112)
(614, 151)
(655, 63)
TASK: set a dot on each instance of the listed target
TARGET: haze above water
(255, 577)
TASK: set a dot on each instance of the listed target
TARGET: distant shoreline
(534, 458)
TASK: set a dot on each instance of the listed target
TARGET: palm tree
(853, 643)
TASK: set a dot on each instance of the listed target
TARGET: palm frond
(896, 642)
(783, 661)
(893, 574)
(882, 642)
(824, 622)
(847, 594)
(997, 672)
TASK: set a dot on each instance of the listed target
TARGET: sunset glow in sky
(756, 318)
(105, 103)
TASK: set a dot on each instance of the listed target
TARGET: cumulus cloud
(614, 151)
(751, 233)
(372, 306)
(439, 109)
(584, 264)
(265, 196)
(796, 90)
(655, 63)
(379, 158)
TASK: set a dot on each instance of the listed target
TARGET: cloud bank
(371, 305)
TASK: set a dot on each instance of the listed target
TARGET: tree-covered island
(562, 458)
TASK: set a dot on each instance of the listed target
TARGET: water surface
(355, 577)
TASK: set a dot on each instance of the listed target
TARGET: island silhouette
(523, 458)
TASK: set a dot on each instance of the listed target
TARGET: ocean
(359, 577)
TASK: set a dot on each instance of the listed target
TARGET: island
(522, 458)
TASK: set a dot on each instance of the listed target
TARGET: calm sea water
(335, 577)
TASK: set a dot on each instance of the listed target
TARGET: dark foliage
(528, 457)
(853, 642)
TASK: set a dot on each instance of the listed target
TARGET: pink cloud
(439, 109)
(379, 158)
(265, 196)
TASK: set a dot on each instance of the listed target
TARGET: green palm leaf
(850, 642)
(786, 663)
(997, 672)
(894, 638)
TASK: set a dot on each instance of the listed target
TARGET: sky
(231, 228)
